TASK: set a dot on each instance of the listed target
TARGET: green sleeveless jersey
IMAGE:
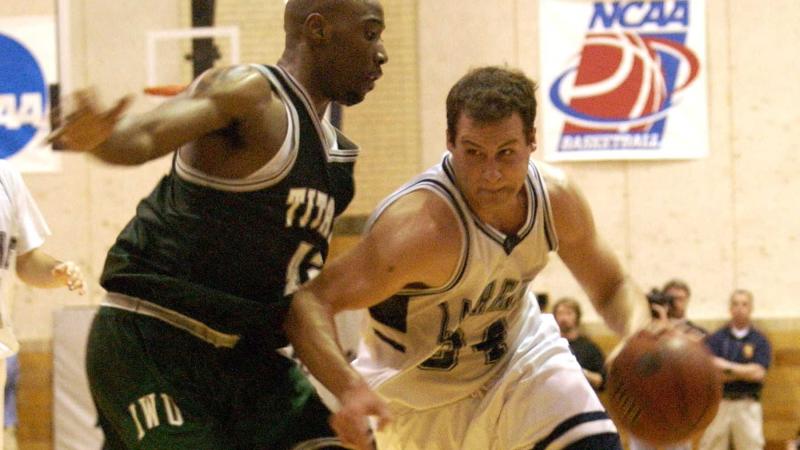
(229, 252)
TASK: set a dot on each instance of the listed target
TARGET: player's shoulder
(570, 210)
(555, 178)
(760, 335)
(238, 82)
(425, 231)
(425, 210)
(418, 221)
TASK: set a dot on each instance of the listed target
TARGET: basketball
(663, 388)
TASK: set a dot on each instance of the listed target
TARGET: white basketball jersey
(424, 347)
(22, 228)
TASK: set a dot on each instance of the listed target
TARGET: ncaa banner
(27, 70)
(623, 79)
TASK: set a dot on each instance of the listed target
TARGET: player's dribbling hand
(69, 274)
(88, 125)
(351, 422)
(659, 323)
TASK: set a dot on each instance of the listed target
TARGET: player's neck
(294, 66)
(507, 218)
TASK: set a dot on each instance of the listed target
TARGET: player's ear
(532, 139)
(449, 136)
(317, 28)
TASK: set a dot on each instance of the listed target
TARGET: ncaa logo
(23, 96)
(632, 68)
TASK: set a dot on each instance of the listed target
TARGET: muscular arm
(593, 264)
(214, 101)
(404, 246)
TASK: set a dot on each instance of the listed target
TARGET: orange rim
(167, 90)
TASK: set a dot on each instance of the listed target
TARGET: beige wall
(724, 221)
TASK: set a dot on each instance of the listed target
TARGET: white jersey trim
(549, 229)
(332, 153)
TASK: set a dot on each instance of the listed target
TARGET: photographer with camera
(674, 297)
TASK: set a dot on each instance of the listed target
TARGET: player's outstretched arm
(404, 246)
(594, 265)
(216, 99)
(38, 268)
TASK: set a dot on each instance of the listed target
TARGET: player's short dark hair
(677, 283)
(489, 94)
(572, 304)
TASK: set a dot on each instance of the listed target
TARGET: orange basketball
(663, 388)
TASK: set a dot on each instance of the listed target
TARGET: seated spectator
(743, 354)
(567, 313)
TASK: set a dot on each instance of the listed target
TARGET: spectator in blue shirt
(743, 354)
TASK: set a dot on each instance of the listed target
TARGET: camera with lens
(658, 297)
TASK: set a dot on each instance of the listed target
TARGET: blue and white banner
(28, 67)
(623, 79)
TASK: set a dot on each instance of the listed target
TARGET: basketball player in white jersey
(462, 356)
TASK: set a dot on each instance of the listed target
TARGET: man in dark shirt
(567, 313)
(743, 354)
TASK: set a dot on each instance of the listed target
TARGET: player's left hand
(351, 422)
(70, 275)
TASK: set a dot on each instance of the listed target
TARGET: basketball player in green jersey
(182, 352)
